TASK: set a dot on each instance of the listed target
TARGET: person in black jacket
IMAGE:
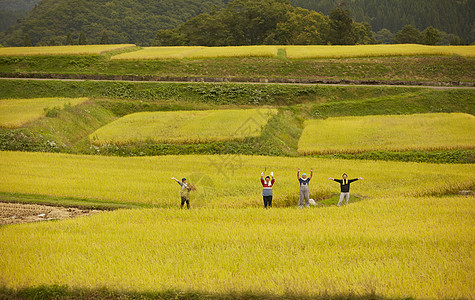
(345, 187)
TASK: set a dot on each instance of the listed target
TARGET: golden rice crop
(222, 180)
(388, 133)
(184, 126)
(234, 51)
(177, 52)
(375, 51)
(198, 52)
(61, 50)
(392, 247)
(17, 112)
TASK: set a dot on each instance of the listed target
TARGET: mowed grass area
(197, 52)
(314, 51)
(393, 247)
(437, 131)
(224, 181)
(184, 126)
(17, 112)
(62, 50)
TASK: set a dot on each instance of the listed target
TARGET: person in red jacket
(267, 185)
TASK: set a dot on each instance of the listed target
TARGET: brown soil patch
(13, 213)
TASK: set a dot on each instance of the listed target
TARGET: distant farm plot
(295, 52)
(157, 53)
(323, 51)
(199, 52)
(388, 133)
(184, 126)
(17, 112)
(62, 50)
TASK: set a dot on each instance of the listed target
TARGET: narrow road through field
(419, 85)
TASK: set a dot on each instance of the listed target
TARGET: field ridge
(191, 79)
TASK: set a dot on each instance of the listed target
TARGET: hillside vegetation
(123, 22)
(138, 22)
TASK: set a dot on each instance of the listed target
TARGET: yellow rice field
(184, 126)
(17, 112)
(392, 247)
(222, 180)
(316, 51)
(193, 52)
(388, 133)
(62, 50)
(177, 52)
(397, 242)
(296, 52)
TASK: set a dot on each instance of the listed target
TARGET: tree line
(223, 22)
(277, 22)
(456, 18)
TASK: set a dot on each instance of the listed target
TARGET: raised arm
(298, 174)
(329, 178)
(311, 174)
(178, 181)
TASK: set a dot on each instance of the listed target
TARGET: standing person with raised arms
(304, 192)
(185, 191)
(267, 185)
(344, 187)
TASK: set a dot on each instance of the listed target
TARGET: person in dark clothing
(344, 187)
(267, 185)
(184, 192)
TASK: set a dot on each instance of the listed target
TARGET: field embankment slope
(357, 64)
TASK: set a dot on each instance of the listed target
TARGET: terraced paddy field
(184, 126)
(17, 112)
(62, 50)
(388, 133)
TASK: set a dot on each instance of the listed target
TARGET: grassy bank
(431, 69)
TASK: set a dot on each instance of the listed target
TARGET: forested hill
(137, 21)
(13, 10)
(123, 21)
(17, 4)
(452, 16)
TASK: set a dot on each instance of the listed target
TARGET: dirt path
(14, 213)
(442, 86)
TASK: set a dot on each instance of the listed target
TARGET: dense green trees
(125, 21)
(341, 27)
(408, 35)
(257, 22)
(451, 16)
(242, 22)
